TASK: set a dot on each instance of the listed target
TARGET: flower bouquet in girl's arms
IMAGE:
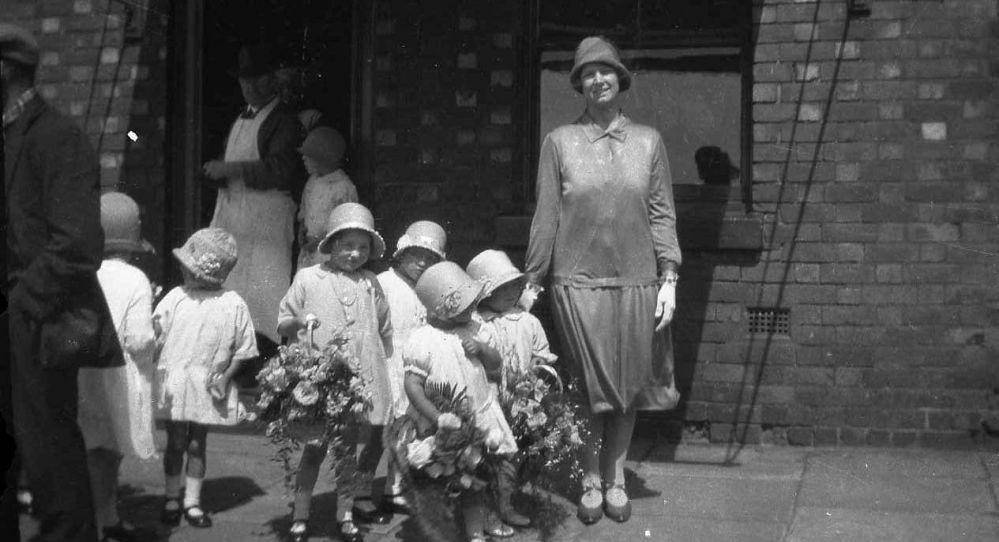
(309, 394)
(441, 466)
(546, 421)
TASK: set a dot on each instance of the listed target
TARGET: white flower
(419, 452)
(305, 393)
(494, 439)
(435, 470)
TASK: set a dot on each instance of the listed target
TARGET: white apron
(262, 221)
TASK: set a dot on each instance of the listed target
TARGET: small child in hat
(204, 335)
(341, 294)
(420, 247)
(454, 349)
(328, 186)
(519, 336)
(115, 405)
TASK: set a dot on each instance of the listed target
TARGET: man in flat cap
(260, 176)
(56, 309)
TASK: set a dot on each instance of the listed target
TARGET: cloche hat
(352, 216)
(598, 49)
(446, 291)
(121, 224)
(424, 234)
(209, 254)
(493, 269)
(18, 44)
(324, 143)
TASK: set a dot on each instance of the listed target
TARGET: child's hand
(310, 322)
(448, 421)
(157, 326)
(218, 385)
(472, 346)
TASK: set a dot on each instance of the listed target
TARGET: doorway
(313, 43)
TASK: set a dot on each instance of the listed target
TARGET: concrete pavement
(685, 493)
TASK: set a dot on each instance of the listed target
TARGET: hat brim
(495, 284)
(185, 259)
(400, 248)
(128, 245)
(467, 296)
(378, 244)
(623, 75)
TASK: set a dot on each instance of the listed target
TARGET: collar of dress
(617, 129)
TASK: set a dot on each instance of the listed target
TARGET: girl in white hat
(454, 349)
(205, 334)
(115, 405)
(520, 338)
(341, 295)
(421, 246)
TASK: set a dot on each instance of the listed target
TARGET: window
(691, 65)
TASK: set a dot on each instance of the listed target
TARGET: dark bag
(82, 334)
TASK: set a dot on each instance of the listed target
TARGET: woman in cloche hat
(610, 255)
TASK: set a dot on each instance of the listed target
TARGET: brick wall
(106, 71)
(874, 168)
(874, 172)
(445, 116)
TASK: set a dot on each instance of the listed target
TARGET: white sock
(192, 492)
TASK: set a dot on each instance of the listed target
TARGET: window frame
(535, 44)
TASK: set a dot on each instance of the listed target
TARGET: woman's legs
(592, 447)
(618, 430)
(305, 480)
(103, 465)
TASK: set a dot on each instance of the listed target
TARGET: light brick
(465, 98)
(503, 40)
(501, 78)
(806, 72)
(51, 25)
(890, 70)
(934, 131)
(110, 55)
(806, 32)
(931, 91)
(82, 7)
(809, 113)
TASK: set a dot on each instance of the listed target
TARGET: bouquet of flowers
(546, 421)
(441, 466)
(311, 394)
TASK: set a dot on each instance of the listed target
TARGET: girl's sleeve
(138, 337)
(293, 303)
(662, 212)
(546, 213)
(384, 314)
(540, 349)
(163, 316)
(416, 355)
(245, 337)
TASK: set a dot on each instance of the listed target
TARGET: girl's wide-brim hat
(423, 234)
(122, 225)
(598, 49)
(493, 269)
(209, 254)
(324, 143)
(352, 216)
(446, 290)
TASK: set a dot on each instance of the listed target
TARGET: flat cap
(18, 44)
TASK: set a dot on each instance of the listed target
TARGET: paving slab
(830, 486)
(705, 497)
(827, 524)
(721, 462)
(906, 463)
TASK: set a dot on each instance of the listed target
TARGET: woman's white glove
(665, 305)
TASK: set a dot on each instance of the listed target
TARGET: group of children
(423, 321)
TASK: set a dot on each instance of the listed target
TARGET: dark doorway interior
(312, 40)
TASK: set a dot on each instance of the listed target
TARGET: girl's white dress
(116, 404)
(521, 338)
(202, 331)
(353, 302)
(437, 355)
(408, 314)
